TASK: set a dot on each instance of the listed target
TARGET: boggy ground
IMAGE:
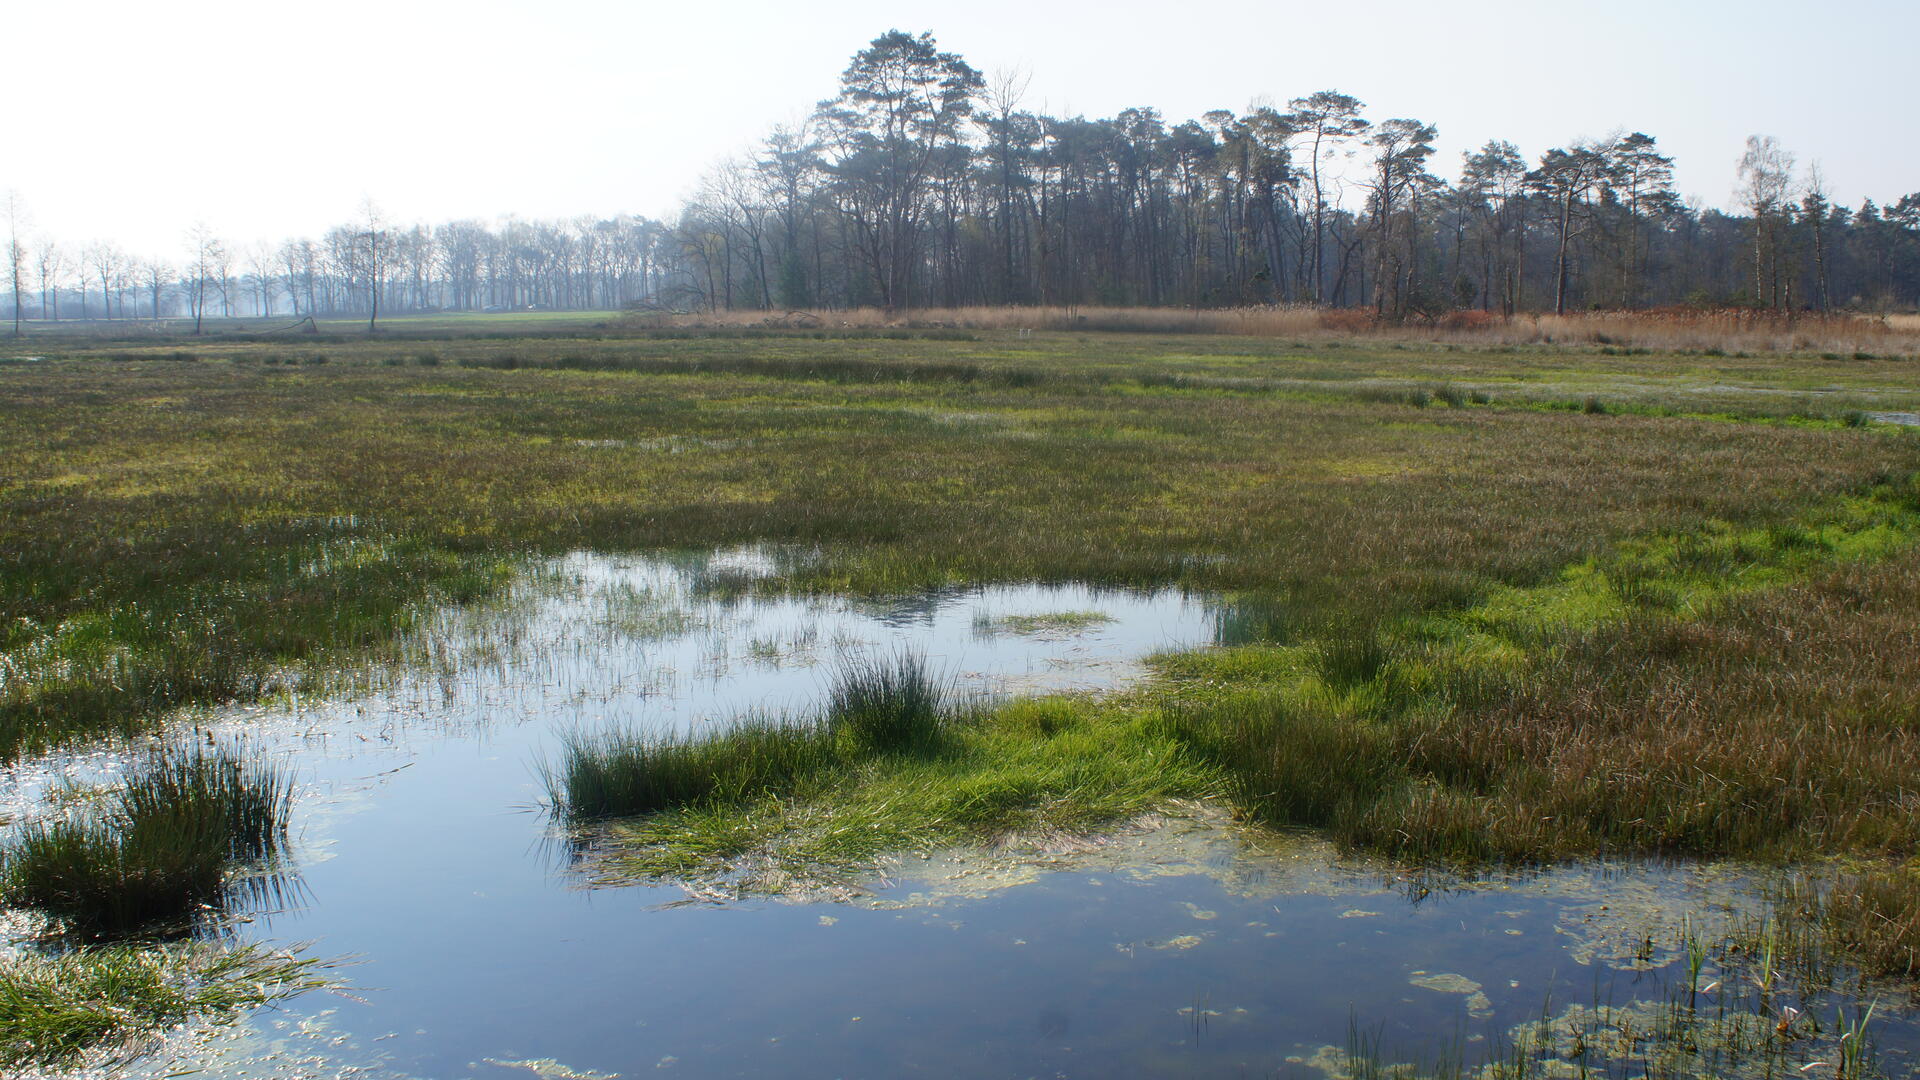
(1502, 604)
(182, 531)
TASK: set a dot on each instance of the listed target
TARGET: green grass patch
(1020, 768)
(889, 766)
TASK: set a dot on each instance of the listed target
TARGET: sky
(133, 121)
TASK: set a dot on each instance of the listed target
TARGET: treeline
(922, 184)
(365, 268)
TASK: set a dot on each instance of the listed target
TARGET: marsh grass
(876, 705)
(1350, 654)
(625, 773)
(59, 1009)
(891, 764)
(1287, 763)
(887, 704)
(1665, 629)
(173, 630)
(1014, 773)
(104, 878)
(1729, 693)
(1552, 596)
(159, 849)
(1872, 916)
(173, 539)
(238, 801)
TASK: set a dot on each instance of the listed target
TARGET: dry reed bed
(1670, 330)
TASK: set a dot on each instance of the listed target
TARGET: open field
(1505, 603)
(453, 322)
(183, 530)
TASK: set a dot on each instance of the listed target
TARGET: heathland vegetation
(1480, 601)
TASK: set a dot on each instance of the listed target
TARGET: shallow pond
(1179, 946)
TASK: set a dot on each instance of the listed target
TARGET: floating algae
(1172, 944)
(1479, 1006)
(1052, 625)
(549, 1069)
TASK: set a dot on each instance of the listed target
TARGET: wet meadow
(900, 699)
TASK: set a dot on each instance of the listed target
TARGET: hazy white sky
(132, 120)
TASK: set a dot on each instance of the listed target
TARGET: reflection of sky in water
(1190, 950)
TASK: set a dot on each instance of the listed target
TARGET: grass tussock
(159, 849)
(57, 1011)
(624, 773)
(876, 705)
(886, 704)
(226, 799)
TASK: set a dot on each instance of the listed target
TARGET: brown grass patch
(1674, 329)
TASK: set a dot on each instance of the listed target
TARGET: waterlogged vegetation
(62, 1009)
(221, 529)
(795, 809)
(1044, 623)
(1475, 610)
(185, 835)
(1661, 699)
(159, 847)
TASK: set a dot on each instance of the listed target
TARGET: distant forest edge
(923, 184)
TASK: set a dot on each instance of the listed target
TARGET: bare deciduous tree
(16, 253)
(1766, 183)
